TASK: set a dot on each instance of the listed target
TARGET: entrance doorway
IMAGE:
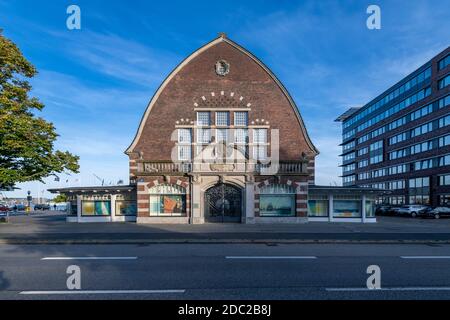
(223, 203)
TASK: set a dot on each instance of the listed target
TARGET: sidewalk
(51, 228)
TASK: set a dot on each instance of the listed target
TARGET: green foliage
(26, 140)
(60, 198)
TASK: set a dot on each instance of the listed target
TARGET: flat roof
(347, 114)
(92, 189)
(346, 190)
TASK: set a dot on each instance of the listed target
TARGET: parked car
(412, 210)
(383, 210)
(436, 212)
(3, 208)
(42, 207)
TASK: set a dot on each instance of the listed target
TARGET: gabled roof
(222, 38)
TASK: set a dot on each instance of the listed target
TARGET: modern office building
(400, 141)
(221, 141)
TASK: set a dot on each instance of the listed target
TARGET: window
(203, 118)
(96, 208)
(397, 123)
(184, 144)
(363, 151)
(444, 200)
(203, 135)
(397, 138)
(397, 169)
(422, 129)
(349, 156)
(349, 180)
(277, 201)
(348, 168)
(260, 152)
(396, 185)
(347, 206)
(444, 82)
(241, 118)
(126, 208)
(221, 135)
(444, 121)
(363, 163)
(348, 135)
(222, 118)
(364, 138)
(444, 62)
(364, 176)
(443, 102)
(348, 146)
(260, 136)
(378, 173)
(421, 147)
(376, 146)
(167, 200)
(421, 77)
(423, 165)
(318, 206)
(378, 132)
(444, 161)
(370, 208)
(241, 136)
(376, 159)
(422, 112)
(444, 180)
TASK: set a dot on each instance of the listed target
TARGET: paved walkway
(52, 228)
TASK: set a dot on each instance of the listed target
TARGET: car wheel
(436, 216)
(413, 214)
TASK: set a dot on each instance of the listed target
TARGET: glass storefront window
(96, 208)
(370, 208)
(126, 208)
(347, 208)
(73, 209)
(168, 205)
(277, 205)
(318, 208)
(168, 201)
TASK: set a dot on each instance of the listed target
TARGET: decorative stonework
(222, 68)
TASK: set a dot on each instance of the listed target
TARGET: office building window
(363, 163)
(376, 145)
(397, 138)
(428, 127)
(444, 121)
(376, 159)
(444, 180)
(363, 151)
(444, 82)
(444, 62)
(422, 112)
(444, 141)
(443, 102)
(444, 161)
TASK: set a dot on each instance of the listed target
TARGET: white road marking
(425, 257)
(392, 289)
(89, 258)
(270, 257)
(99, 292)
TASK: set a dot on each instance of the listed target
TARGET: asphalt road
(225, 271)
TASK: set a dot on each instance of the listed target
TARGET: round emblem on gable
(222, 67)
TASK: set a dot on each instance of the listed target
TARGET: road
(225, 271)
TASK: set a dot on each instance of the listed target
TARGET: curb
(209, 241)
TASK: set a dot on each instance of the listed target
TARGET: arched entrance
(223, 203)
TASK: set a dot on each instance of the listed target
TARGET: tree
(26, 140)
(60, 198)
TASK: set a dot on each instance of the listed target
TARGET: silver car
(412, 210)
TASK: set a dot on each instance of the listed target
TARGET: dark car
(3, 208)
(435, 212)
(383, 210)
(42, 207)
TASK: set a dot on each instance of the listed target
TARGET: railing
(284, 167)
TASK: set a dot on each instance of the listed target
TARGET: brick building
(220, 141)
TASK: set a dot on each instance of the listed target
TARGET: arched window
(277, 200)
(167, 200)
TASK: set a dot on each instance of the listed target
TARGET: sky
(96, 82)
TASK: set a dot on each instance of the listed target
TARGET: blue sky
(96, 82)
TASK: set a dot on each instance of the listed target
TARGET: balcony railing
(283, 167)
